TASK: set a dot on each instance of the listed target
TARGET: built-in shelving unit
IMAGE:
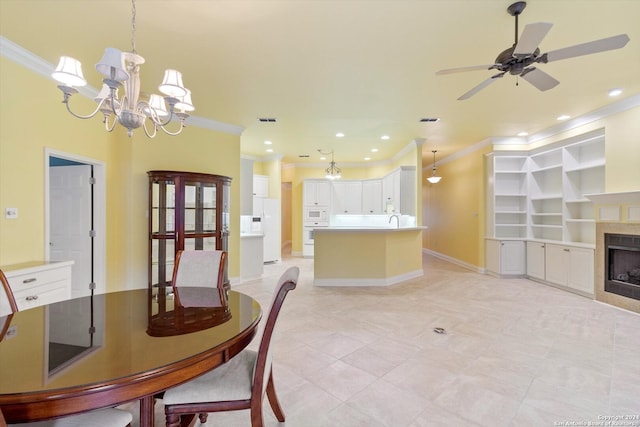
(508, 196)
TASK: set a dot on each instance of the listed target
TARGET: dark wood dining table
(126, 354)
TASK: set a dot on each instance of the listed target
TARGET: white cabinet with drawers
(39, 283)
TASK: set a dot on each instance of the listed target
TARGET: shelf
(577, 201)
(511, 212)
(547, 169)
(580, 221)
(557, 227)
(587, 166)
(547, 214)
(549, 197)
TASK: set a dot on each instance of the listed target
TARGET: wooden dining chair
(8, 306)
(242, 382)
(198, 278)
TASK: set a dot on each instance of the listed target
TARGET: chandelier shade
(112, 65)
(69, 72)
(121, 70)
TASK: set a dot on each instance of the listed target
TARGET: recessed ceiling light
(563, 117)
(323, 158)
(374, 150)
(269, 150)
(268, 142)
(615, 92)
(522, 134)
(385, 137)
(367, 158)
(339, 135)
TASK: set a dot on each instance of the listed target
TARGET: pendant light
(434, 179)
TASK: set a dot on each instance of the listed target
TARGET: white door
(70, 222)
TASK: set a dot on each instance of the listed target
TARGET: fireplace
(622, 264)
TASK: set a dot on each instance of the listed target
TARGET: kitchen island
(367, 256)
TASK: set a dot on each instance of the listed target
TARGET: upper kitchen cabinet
(399, 191)
(346, 197)
(260, 186)
(186, 211)
(372, 197)
(316, 193)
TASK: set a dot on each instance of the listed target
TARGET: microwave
(313, 214)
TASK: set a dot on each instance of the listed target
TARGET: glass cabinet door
(186, 211)
(163, 231)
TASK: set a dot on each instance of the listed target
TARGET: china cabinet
(187, 210)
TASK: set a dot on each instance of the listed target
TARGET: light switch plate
(11, 213)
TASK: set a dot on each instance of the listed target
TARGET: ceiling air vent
(303, 156)
(429, 119)
(267, 119)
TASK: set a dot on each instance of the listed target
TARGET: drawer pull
(32, 297)
(33, 279)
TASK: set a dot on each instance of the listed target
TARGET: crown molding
(21, 56)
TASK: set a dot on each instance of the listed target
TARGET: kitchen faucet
(397, 220)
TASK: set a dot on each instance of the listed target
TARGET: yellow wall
(453, 209)
(33, 118)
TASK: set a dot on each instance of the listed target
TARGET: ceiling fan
(519, 58)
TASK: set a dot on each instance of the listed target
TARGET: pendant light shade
(434, 178)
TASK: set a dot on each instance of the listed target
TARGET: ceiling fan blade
(541, 80)
(531, 38)
(462, 69)
(481, 86)
(609, 43)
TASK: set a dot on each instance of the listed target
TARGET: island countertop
(351, 229)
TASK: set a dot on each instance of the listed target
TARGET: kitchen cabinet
(346, 197)
(260, 186)
(505, 257)
(399, 191)
(187, 210)
(536, 260)
(316, 193)
(372, 197)
(570, 266)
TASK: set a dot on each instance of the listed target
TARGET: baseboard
(370, 281)
(456, 261)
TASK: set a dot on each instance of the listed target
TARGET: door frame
(99, 213)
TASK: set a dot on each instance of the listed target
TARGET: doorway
(75, 229)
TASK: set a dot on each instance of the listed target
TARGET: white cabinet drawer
(37, 278)
(41, 295)
(39, 283)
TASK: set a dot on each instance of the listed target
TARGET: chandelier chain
(133, 26)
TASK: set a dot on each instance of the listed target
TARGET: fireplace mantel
(623, 198)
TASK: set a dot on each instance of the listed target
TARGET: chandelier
(122, 70)
(332, 172)
(434, 179)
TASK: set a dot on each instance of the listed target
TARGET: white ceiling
(362, 67)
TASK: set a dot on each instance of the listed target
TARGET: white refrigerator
(269, 212)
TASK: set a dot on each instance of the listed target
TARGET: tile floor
(515, 353)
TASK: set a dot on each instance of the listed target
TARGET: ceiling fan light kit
(520, 58)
